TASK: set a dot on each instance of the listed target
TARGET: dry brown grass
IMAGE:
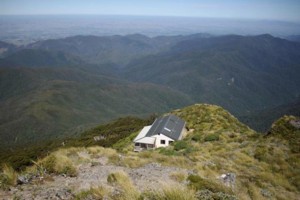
(178, 176)
(123, 182)
(171, 192)
(8, 177)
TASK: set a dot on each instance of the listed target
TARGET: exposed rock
(266, 193)
(64, 194)
(209, 195)
(228, 179)
(295, 123)
(24, 179)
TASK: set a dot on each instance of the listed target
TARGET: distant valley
(57, 88)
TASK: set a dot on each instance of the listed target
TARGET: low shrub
(196, 138)
(179, 145)
(198, 183)
(211, 137)
(260, 153)
(167, 151)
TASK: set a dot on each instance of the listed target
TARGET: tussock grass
(123, 182)
(171, 192)
(254, 192)
(134, 162)
(101, 151)
(57, 163)
(198, 183)
(178, 176)
(8, 177)
(96, 193)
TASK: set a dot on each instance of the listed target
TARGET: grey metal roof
(171, 126)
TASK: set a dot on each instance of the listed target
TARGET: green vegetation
(261, 121)
(168, 192)
(211, 137)
(198, 183)
(58, 162)
(284, 131)
(179, 145)
(43, 104)
(21, 157)
(110, 133)
(262, 164)
(284, 128)
(47, 94)
(235, 72)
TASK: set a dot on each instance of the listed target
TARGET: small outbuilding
(161, 133)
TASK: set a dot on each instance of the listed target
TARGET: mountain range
(60, 87)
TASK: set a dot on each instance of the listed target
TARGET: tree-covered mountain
(261, 120)
(47, 95)
(116, 49)
(107, 49)
(38, 58)
(241, 73)
(56, 88)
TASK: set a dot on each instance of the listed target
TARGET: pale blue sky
(287, 10)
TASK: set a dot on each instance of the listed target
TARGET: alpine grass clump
(126, 189)
(170, 192)
(99, 192)
(57, 163)
(8, 177)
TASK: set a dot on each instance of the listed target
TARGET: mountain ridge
(260, 166)
(244, 74)
(236, 74)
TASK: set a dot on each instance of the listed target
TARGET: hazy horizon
(25, 21)
(287, 10)
(24, 29)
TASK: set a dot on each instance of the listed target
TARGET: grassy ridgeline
(264, 165)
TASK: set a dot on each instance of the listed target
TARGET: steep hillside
(287, 128)
(220, 158)
(39, 59)
(109, 134)
(240, 73)
(262, 120)
(43, 104)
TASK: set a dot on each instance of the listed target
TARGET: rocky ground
(89, 175)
